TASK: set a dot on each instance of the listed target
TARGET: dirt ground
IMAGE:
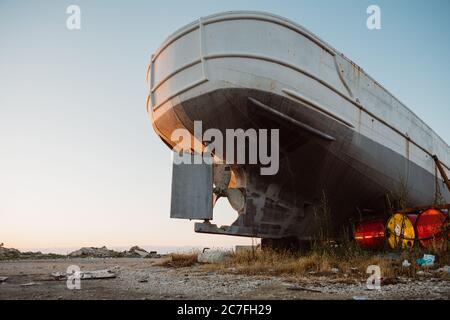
(142, 279)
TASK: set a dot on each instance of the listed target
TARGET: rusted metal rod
(442, 171)
(417, 209)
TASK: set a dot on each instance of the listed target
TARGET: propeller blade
(215, 198)
(236, 198)
(221, 176)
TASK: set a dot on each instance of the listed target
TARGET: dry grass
(274, 263)
(179, 260)
(352, 264)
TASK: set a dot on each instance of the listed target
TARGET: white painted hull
(208, 70)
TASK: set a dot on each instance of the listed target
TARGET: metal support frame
(442, 171)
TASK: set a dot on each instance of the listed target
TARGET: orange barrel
(401, 232)
(370, 234)
(430, 226)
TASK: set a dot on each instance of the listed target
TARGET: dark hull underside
(353, 173)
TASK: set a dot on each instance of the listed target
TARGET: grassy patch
(332, 262)
(179, 260)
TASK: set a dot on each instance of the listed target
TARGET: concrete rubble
(94, 252)
(104, 252)
(86, 274)
(14, 254)
(137, 252)
(97, 274)
(85, 252)
(213, 256)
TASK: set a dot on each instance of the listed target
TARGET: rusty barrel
(432, 227)
(370, 234)
(401, 230)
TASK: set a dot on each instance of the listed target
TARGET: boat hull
(273, 75)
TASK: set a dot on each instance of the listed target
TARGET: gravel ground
(141, 279)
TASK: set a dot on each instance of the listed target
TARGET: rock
(3, 279)
(406, 264)
(334, 270)
(14, 254)
(137, 252)
(93, 252)
(213, 256)
(6, 253)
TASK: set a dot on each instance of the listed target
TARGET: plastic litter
(426, 261)
(406, 264)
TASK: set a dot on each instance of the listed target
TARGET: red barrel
(430, 225)
(370, 234)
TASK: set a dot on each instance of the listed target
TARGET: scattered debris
(334, 270)
(213, 256)
(423, 273)
(426, 261)
(165, 283)
(143, 279)
(445, 269)
(97, 274)
(58, 276)
(85, 275)
(29, 284)
(299, 288)
(406, 264)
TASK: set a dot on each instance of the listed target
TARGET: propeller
(221, 180)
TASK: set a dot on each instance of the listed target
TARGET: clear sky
(79, 162)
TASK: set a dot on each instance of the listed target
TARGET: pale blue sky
(79, 162)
